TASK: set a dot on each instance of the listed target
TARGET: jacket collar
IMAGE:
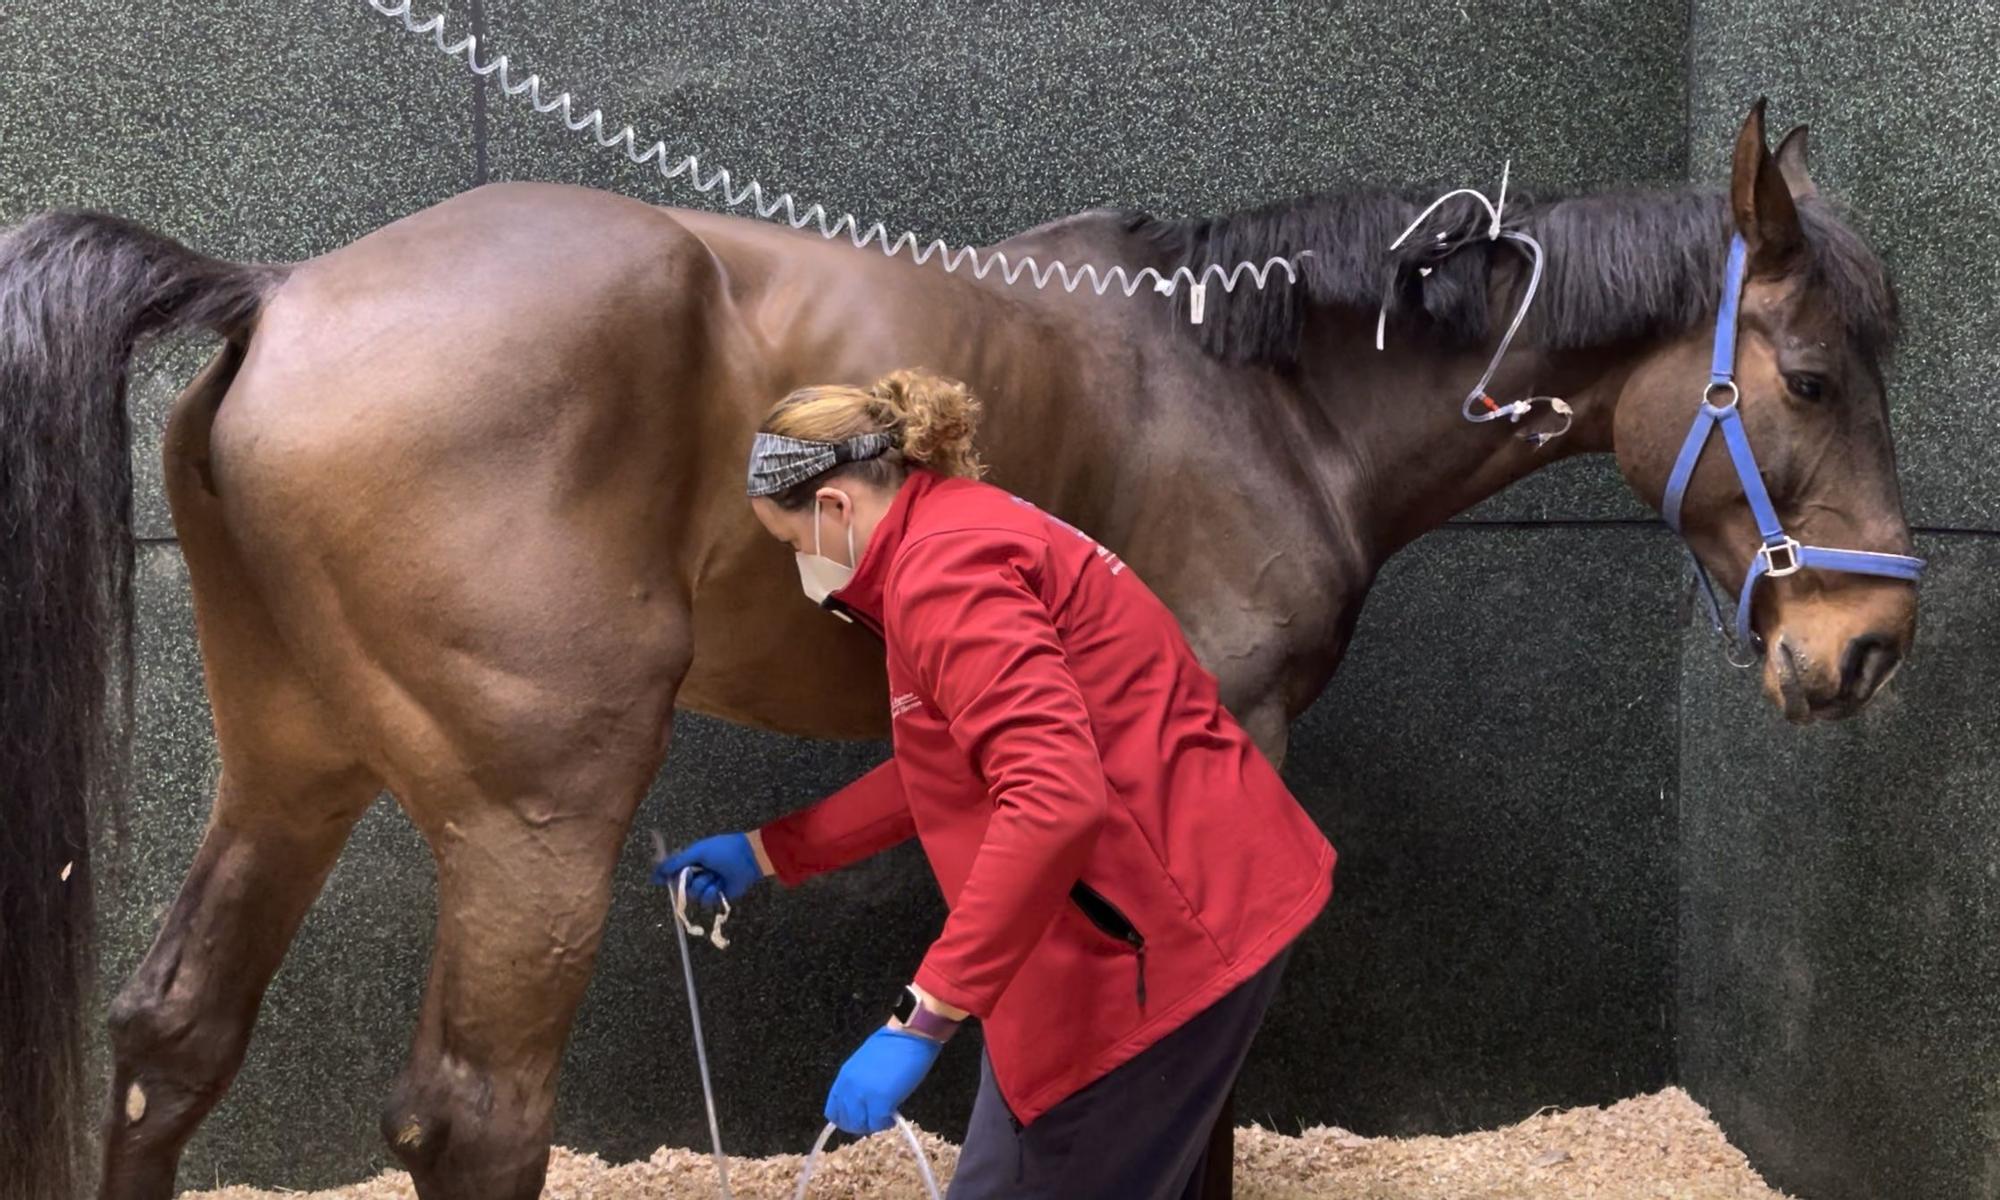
(863, 594)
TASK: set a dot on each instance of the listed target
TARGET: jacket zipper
(854, 616)
(1112, 923)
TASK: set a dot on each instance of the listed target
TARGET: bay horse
(461, 504)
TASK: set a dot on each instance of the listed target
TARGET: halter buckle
(1783, 558)
(1728, 385)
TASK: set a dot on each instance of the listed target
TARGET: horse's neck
(1403, 459)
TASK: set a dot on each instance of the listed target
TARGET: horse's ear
(1760, 201)
(1792, 164)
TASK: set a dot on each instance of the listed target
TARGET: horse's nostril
(1868, 661)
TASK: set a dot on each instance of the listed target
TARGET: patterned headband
(778, 462)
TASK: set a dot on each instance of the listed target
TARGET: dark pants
(1139, 1133)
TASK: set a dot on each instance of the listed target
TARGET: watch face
(906, 1006)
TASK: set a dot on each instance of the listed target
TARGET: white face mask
(821, 576)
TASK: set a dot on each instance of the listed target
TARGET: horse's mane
(1621, 266)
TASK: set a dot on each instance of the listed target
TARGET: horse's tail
(78, 292)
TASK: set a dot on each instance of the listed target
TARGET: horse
(461, 503)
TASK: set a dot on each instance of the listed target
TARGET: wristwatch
(913, 1016)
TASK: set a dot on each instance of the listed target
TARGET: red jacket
(1116, 854)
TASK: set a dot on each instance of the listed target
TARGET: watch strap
(924, 1020)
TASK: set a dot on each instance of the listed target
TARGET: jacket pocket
(1112, 924)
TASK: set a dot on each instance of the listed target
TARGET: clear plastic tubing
(786, 207)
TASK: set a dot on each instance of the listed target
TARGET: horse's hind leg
(290, 792)
(524, 881)
(526, 768)
(180, 1025)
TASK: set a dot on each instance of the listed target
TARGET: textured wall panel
(1839, 890)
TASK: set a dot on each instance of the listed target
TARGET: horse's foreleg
(523, 886)
(180, 1025)
(1270, 727)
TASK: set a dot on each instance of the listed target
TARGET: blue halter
(1780, 554)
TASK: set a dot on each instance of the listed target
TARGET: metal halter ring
(1751, 655)
(1793, 560)
(1735, 395)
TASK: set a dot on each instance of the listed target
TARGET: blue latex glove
(877, 1078)
(724, 867)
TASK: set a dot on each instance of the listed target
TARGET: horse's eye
(1804, 386)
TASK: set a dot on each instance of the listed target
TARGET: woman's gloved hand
(877, 1078)
(724, 867)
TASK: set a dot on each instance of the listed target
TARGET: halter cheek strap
(1779, 554)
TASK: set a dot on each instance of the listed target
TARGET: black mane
(1621, 266)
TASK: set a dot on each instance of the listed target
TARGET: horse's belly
(765, 656)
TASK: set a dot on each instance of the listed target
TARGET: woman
(1125, 872)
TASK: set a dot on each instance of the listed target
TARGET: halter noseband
(1780, 554)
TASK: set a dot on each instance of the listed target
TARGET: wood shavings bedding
(1658, 1147)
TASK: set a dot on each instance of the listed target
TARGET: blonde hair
(929, 420)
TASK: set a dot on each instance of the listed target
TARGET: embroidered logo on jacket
(902, 704)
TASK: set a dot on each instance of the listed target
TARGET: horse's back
(511, 292)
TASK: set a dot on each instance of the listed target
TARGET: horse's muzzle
(1808, 689)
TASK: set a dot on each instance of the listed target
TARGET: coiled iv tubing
(1479, 398)
(1012, 271)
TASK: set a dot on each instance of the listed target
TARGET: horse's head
(1816, 316)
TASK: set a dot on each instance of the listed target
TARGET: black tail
(78, 292)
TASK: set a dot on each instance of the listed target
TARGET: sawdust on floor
(1658, 1147)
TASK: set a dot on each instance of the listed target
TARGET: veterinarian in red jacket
(1125, 871)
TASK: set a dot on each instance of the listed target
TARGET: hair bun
(932, 418)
